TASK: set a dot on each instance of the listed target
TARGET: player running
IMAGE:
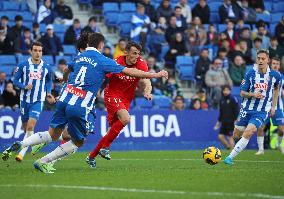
(117, 98)
(34, 79)
(77, 101)
(278, 118)
(259, 91)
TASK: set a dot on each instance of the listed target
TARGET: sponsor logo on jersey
(35, 75)
(76, 91)
(262, 86)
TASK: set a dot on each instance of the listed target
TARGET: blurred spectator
(215, 78)
(201, 95)
(192, 45)
(241, 49)
(275, 50)
(140, 25)
(212, 35)
(172, 30)
(92, 26)
(171, 87)
(202, 66)
(62, 64)
(185, 10)
(23, 43)
(177, 48)
(17, 29)
(256, 47)
(107, 52)
(198, 29)
(195, 104)
(245, 34)
(237, 70)
(63, 13)
(5, 42)
(32, 4)
(226, 42)
(36, 35)
(262, 33)
(10, 96)
(150, 10)
(279, 31)
(51, 43)
(202, 11)
(248, 13)
(238, 28)
(257, 5)
(4, 22)
(45, 14)
(73, 33)
(180, 19)
(119, 48)
(230, 30)
(164, 10)
(223, 55)
(178, 103)
(3, 82)
(228, 113)
(229, 11)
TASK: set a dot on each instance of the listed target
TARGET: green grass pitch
(151, 174)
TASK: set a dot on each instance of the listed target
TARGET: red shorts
(114, 104)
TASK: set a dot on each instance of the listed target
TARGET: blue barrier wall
(148, 130)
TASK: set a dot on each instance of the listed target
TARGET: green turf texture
(177, 174)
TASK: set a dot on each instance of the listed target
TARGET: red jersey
(123, 86)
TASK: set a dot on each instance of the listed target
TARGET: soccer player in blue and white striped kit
(259, 91)
(34, 78)
(77, 101)
(278, 118)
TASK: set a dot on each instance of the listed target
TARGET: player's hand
(258, 95)
(272, 112)
(50, 98)
(29, 87)
(163, 73)
(148, 96)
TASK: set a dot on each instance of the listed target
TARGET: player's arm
(245, 85)
(147, 88)
(66, 73)
(275, 97)
(48, 84)
(133, 72)
(18, 75)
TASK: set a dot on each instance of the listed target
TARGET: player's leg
(280, 137)
(223, 140)
(260, 140)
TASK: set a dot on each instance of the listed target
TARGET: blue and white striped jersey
(259, 82)
(89, 70)
(39, 75)
(280, 97)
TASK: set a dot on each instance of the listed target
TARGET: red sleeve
(119, 61)
(142, 65)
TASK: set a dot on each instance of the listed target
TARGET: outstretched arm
(133, 72)
(147, 88)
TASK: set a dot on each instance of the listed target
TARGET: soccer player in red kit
(117, 98)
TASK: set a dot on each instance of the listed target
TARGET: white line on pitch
(134, 190)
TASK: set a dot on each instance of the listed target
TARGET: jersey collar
(40, 64)
(255, 67)
(92, 48)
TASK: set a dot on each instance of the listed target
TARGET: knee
(53, 136)
(249, 132)
(281, 130)
(29, 128)
(125, 120)
(78, 143)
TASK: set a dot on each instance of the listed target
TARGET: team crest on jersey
(16, 69)
(243, 82)
(262, 86)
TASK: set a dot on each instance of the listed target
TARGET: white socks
(241, 145)
(260, 143)
(24, 150)
(60, 152)
(38, 138)
(280, 138)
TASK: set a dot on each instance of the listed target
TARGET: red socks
(106, 141)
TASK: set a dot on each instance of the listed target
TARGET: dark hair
(18, 18)
(222, 49)
(35, 25)
(95, 38)
(27, 30)
(76, 21)
(133, 44)
(37, 43)
(263, 51)
(179, 97)
(93, 18)
(82, 42)
(276, 59)
(121, 39)
(62, 61)
(230, 21)
(257, 39)
(273, 38)
(204, 49)
(177, 7)
(5, 17)
(226, 86)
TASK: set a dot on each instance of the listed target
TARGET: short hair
(37, 43)
(226, 86)
(35, 25)
(216, 59)
(222, 49)
(257, 40)
(27, 30)
(5, 17)
(179, 97)
(177, 7)
(121, 39)
(82, 42)
(133, 44)
(273, 38)
(93, 18)
(94, 39)
(276, 59)
(76, 21)
(263, 51)
(62, 62)
(18, 18)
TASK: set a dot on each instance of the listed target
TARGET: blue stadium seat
(268, 5)
(24, 6)
(222, 27)
(214, 17)
(236, 91)
(165, 49)
(125, 29)
(110, 7)
(61, 36)
(142, 103)
(272, 28)
(124, 17)
(183, 61)
(195, 58)
(214, 6)
(59, 28)
(48, 59)
(8, 60)
(69, 50)
(264, 17)
(42, 28)
(127, 7)
(276, 17)
(84, 2)
(186, 73)
(248, 67)
(112, 18)
(67, 58)
(278, 7)
(28, 24)
(27, 16)
(162, 102)
(23, 58)
(132, 105)
(10, 14)
(7, 69)
(10, 5)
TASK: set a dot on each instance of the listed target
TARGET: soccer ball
(212, 155)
